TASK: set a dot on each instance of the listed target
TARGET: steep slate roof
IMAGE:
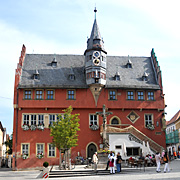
(57, 77)
(174, 118)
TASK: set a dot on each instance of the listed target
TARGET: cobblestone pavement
(127, 173)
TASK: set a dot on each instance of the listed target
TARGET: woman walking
(111, 164)
(166, 160)
(118, 162)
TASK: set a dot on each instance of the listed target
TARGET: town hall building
(119, 98)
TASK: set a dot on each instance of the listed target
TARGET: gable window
(148, 119)
(26, 119)
(112, 95)
(93, 120)
(39, 94)
(51, 119)
(25, 149)
(150, 95)
(27, 94)
(71, 94)
(51, 150)
(50, 94)
(130, 95)
(140, 95)
(40, 119)
(33, 119)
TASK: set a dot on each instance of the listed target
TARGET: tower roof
(95, 41)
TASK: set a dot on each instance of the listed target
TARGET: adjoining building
(173, 134)
(130, 87)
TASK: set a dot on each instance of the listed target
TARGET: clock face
(96, 58)
(96, 62)
(96, 54)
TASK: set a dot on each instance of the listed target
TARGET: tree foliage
(8, 144)
(64, 130)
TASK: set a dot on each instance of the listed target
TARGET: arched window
(115, 120)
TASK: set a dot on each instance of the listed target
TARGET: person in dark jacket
(166, 160)
(118, 162)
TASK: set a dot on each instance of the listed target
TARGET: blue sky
(62, 26)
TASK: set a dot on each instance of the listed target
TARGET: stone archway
(91, 149)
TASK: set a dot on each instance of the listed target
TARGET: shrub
(45, 164)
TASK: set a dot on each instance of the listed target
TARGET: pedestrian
(118, 162)
(111, 163)
(109, 160)
(166, 160)
(158, 162)
(95, 161)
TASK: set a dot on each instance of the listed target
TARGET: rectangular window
(40, 119)
(93, 120)
(40, 148)
(71, 94)
(140, 95)
(51, 152)
(130, 95)
(26, 119)
(27, 94)
(25, 149)
(112, 95)
(33, 119)
(50, 94)
(51, 119)
(39, 94)
(150, 95)
(148, 119)
(132, 151)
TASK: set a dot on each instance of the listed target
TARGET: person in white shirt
(158, 161)
(95, 161)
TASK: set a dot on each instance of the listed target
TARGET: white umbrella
(148, 148)
(144, 152)
(124, 151)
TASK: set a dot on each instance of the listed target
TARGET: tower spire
(95, 11)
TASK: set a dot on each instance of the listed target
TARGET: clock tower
(95, 61)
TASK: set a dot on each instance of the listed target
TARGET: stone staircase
(138, 134)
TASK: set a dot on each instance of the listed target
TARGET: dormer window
(36, 74)
(71, 75)
(129, 63)
(145, 76)
(54, 62)
(117, 75)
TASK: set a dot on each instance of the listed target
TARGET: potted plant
(150, 126)
(33, 127)
(25, 127)
(40, 127)
(24, 156)
(94, 127)
(40, 155)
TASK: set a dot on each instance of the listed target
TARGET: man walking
(158, 162)
(95, 161)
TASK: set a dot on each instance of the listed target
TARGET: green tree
(8, 144)
(64, 132)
